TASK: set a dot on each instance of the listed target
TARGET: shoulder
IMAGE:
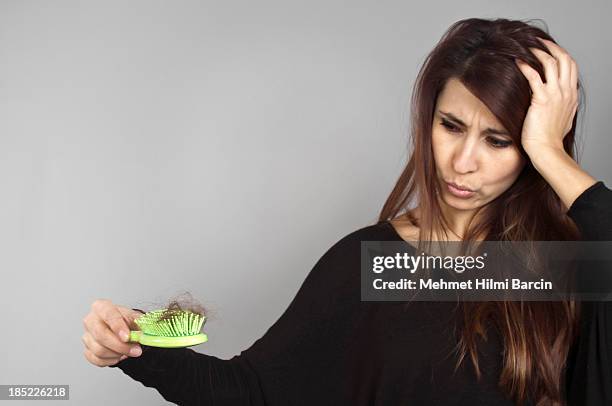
(346, 249)
(381, 231)
(345, 252)
(400, 228)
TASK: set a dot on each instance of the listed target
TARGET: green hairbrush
(178, 328)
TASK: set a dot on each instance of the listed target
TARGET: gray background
(153, 147)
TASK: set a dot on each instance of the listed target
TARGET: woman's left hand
(554, 103)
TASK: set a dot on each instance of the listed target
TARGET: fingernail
(124, 335)
(135, 351)
(123, 357)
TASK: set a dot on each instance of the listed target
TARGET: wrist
(534, 149)
(554, 164)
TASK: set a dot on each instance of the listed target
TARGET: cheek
(440, 148)
(503, 169)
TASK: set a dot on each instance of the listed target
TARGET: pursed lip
(459, 187)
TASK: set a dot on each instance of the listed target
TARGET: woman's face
(471, 150)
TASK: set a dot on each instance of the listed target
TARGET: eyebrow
(452, 117)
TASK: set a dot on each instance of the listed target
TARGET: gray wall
(153, 147)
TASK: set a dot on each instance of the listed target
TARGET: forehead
(458, 100)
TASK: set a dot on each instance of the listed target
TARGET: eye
(494, 142)
(497, 143)
(449, 126)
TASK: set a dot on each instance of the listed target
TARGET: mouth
(458, 187)
(459, 191)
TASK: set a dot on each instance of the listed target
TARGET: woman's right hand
(107, 327)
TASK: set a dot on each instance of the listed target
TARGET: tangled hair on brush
(184, 302)
(175, 308)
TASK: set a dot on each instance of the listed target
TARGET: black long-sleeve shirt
(331, 348)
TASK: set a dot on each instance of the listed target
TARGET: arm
(282, 365)
(174, 373)
(562, 173)
(592, 213)
(186, 377)
(590, 367)
(549, 118)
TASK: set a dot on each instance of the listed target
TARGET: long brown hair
(537, 336)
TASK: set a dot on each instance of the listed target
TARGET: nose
(465, 156)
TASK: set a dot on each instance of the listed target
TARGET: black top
(330, 348)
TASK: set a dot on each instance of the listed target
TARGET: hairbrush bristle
(177, 324)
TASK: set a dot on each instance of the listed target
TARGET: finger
(551, 70)
(563, 61)
(532, 76)
(98, 349)
(129, 315)
(98, 361)
(103, 335)
(109, 313)
(574, 75)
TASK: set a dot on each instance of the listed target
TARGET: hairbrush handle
(167, 342)
(135, 336)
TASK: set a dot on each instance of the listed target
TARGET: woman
(492, 159)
